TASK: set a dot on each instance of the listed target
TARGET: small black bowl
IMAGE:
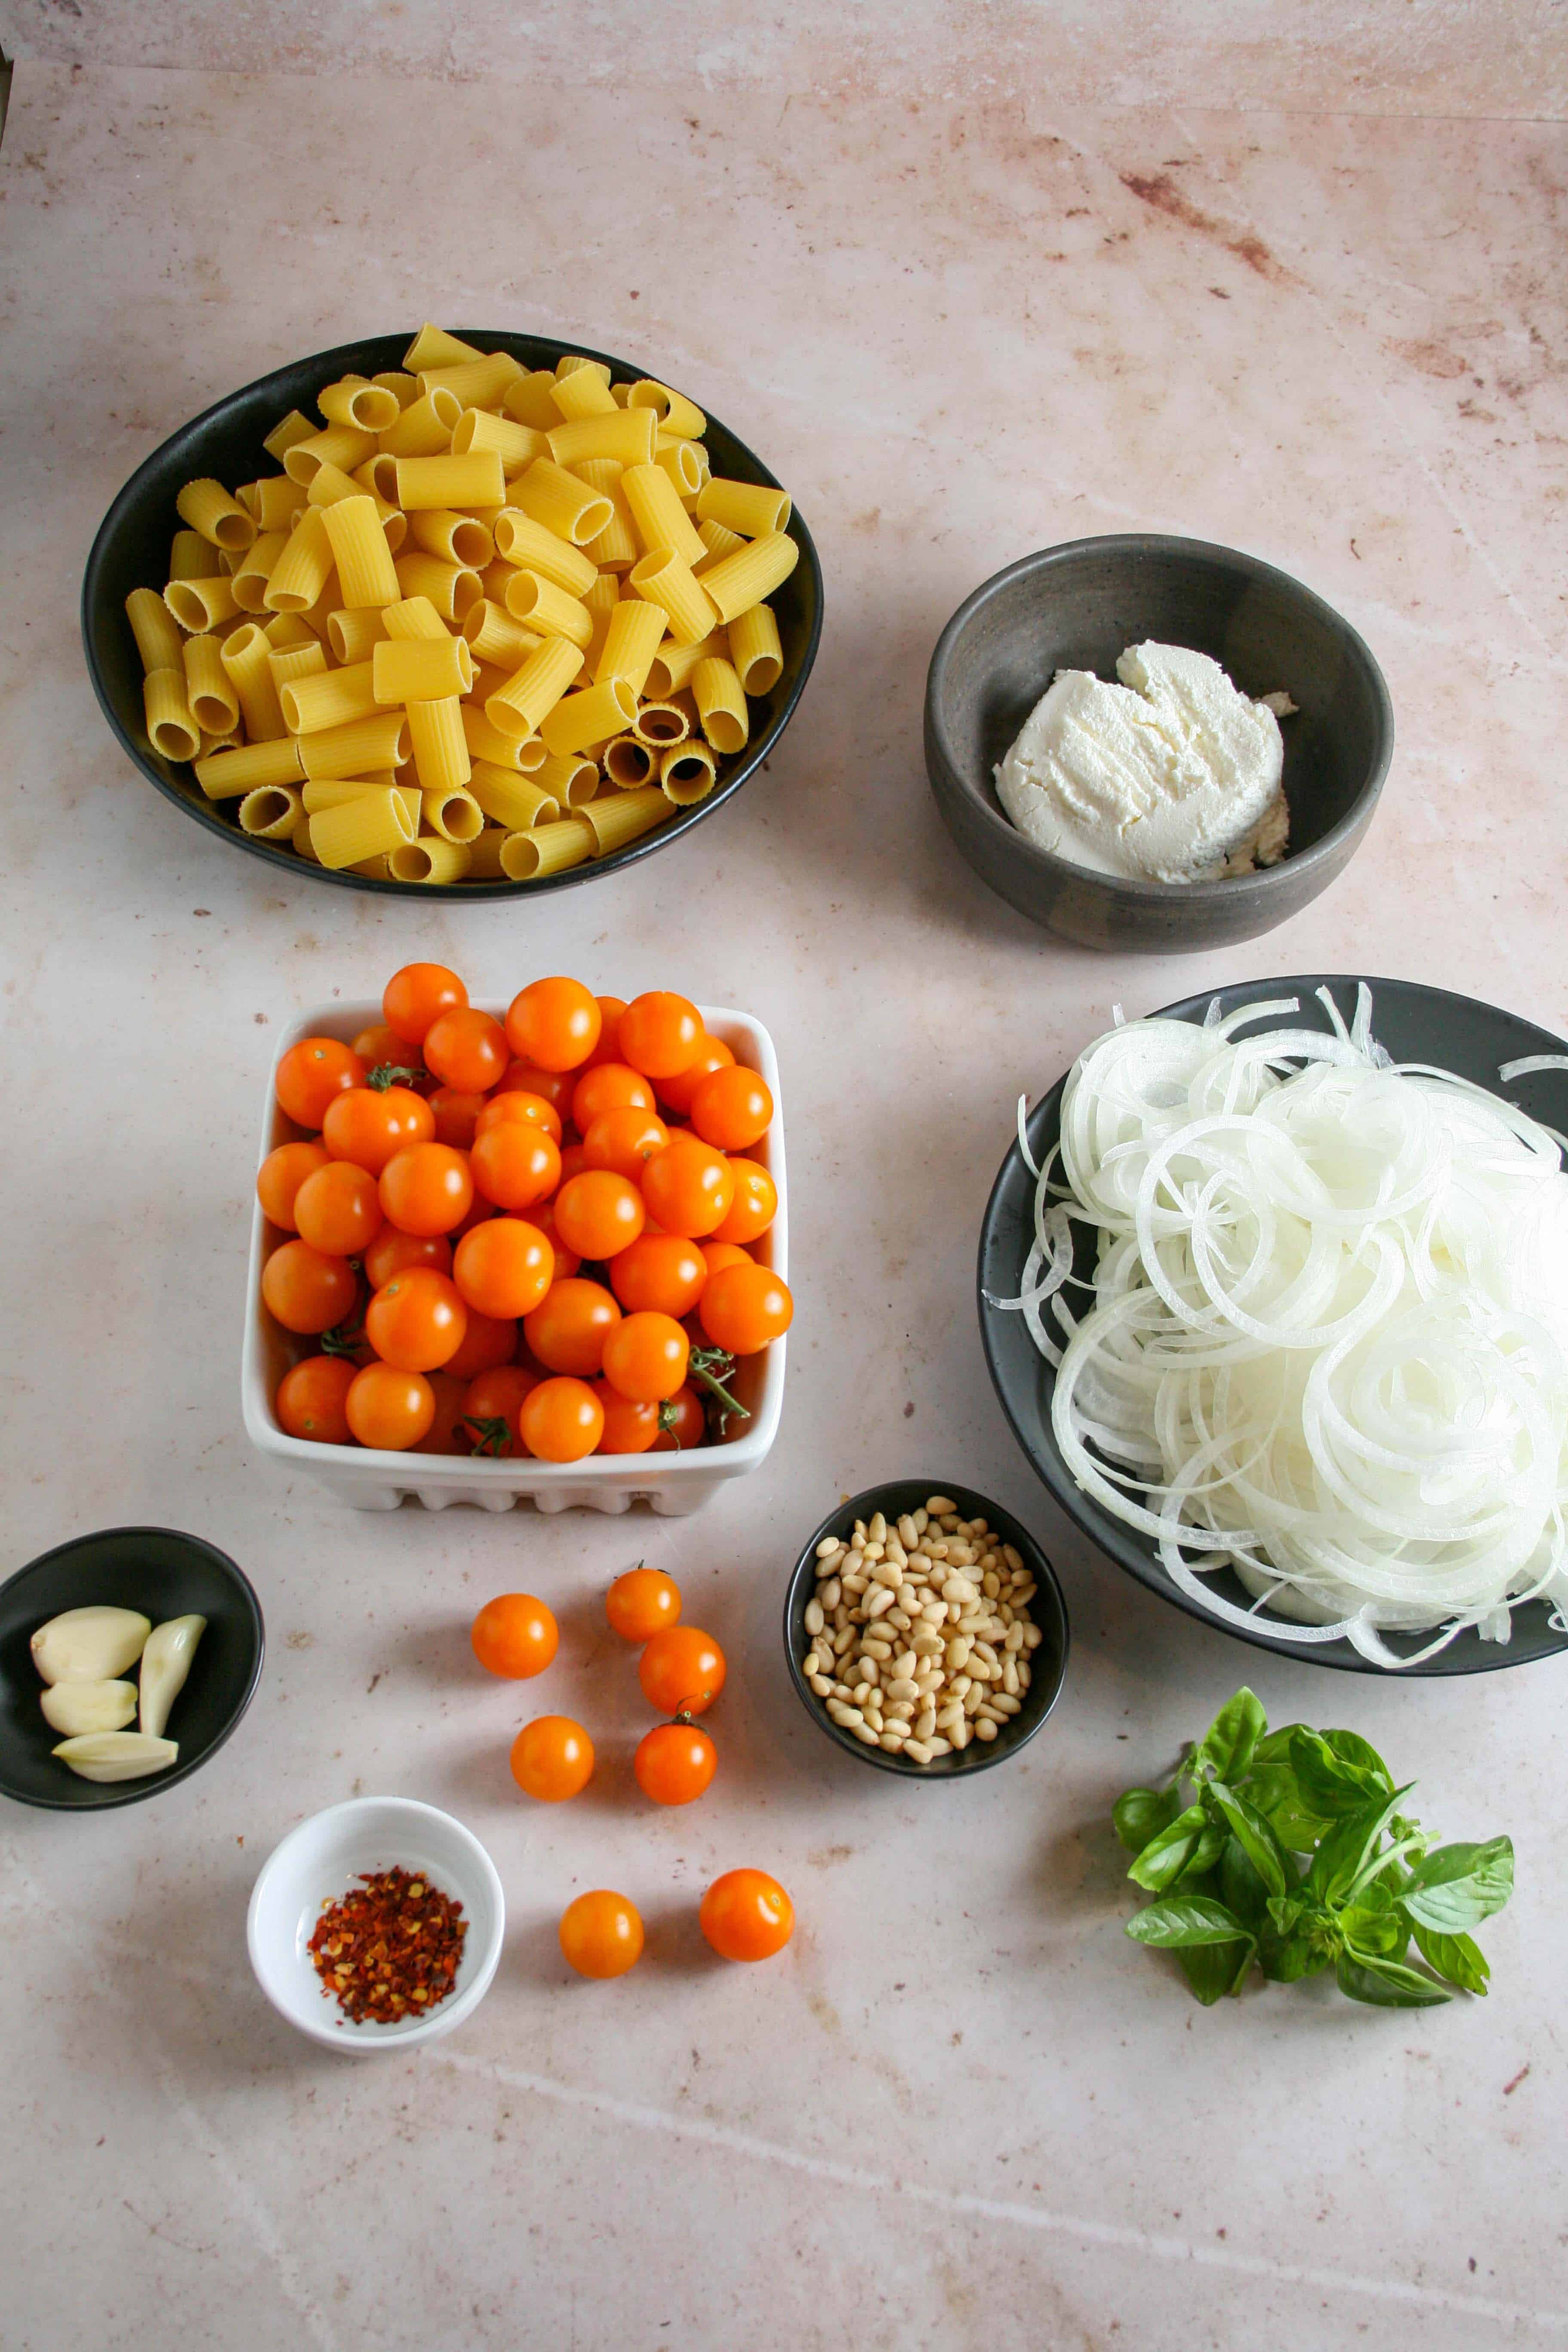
(163, 1574)
(132, 551)
(1079, 606)
(1049, 1610)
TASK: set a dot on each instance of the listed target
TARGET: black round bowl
(1049, 1610)
(1079, 606)
(1417, 1024)
(163, 1574)
(132, 551)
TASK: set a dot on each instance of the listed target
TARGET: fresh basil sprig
(1290, 1851)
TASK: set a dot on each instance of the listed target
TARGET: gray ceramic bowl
(1078, 608)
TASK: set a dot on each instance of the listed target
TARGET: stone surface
(962, 2110)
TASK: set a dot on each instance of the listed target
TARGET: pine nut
(1026, 1676)
(811, 1663)
(829, 1547)
(875, 1718)
(878, 1529)
(958, 1651)
(871, 1648)
(908, 1534)
(925, 1722)
(1010, 1679)
(961, 1735)
(900, 1618)
(950, 1715)
(903, 1688)
(847, 1716)
(939, 1746)
(831, 1594)
(814, 1620)
(1004, 1703)
(927, 1644)
(918, 1749)
(869, 1738)
(905, 1663)
(991, 1583)
(892, 1741)
(820, 1685)
(984, 1730)
(876, 1602)
(1033, 1637)
(886, 1573)
(1014, 1639)
(937, 1504)
(909, 1599)
(1011, 1554)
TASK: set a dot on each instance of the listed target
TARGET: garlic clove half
(76, 1709)
(117, 1755)
(166, 1663)
(89, 1645)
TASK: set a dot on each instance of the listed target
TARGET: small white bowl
(318, 1863)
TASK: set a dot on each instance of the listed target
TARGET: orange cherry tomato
(456, 1115)
(567, 1331)
(466, 1049)
(598, 1213)
(416, 997)
(610, 1011)
(747, 1916)
(682, 1423)
(515, 1636)
(551, 1758)
(677, 1091)
(489, 1341)
(444, 1436)
(555, 1022)
(561, 1421)
(515, 1164)
(689, 1189)
(573, 1162)
(310, 1400)
(624, 1140)
(681, 1671)
(381, 1048)
(717, 1254)
(489, 1409)
(388, 1409)
(305, 1291)
(674, 1763)
(608, 1085)
(279, 1177)
(601, 1934)
(526, 1077)
(628, 1428)
(311, 1073)
(392, 1251)
(567, 1261)
(518, 1104)
(731, 1108)
(369, 1125)
(645, 1357)
(478, 1212)
(426, 1188)
(338, 1208)
(642, 1603)
(504, 1267)
(662, 1271)
(660, 1033)
(417, 1320)
(744, 1308)
(754, 1206)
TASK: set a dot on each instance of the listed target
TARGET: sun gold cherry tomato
(489, 1341)
(561, 1421)
(311, 1073)
(754, 1206)
(555, 1022)
(517, 1103)
(466, 1049)
(608, 1085)
(489, 1408)
(628, 1428)
(682, 1423)
(504, 1267)
(426, 1188)
(660, 1033)
(681, 1671)
(642, 1603)
(645, 1357)
(744, 1308)
(392, 1253)
(456, 1115)
(417, 1321)
(388, 1409)
(306, 1291)
(515, 1164)
(368, 1125)
(567, 1331)
(598, 1213)
(733, 1108)
(515, 1636)
(746, 1915)
(601, 1934)
(679, 1091)
(310, 1400)
(416, 998)
(551, 1758)
(689, 1188)
(674, 1763)
(662, 1271)
(279, 1177)
(338, 1208)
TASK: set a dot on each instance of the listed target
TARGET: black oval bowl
(1079, 606)
(132, 551)
(1049, 1610)
(163, 1574)
(1417, 1024)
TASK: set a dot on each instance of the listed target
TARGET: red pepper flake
(391, 1949)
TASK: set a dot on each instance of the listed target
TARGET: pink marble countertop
(962, 316)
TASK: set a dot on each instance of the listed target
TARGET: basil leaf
(1186, 1920)
(1458, 1886)
(1333, 1786)
(1256, 1836)
(1169, 1852)
(1456, 1958)
(1140, 1815)
(1376, 1927)
(1286, 1958)
(1347, 1850)
(1387, 1984)
(1227, 1747)
(1353, 1750)
(1214, 1970)
(1274, 1789)
(1241, 1887)
(1273, 1748)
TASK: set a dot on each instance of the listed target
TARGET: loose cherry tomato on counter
(417, 1321)
(456, 1115)
(444, 1436)
(628, 1428)
(516, 1636)
(388, 1409)
(338, 1210)
(466, 1049)
(689, 1188)
(624, 1140)
(551, 1758)
(306, 1291)
(674, 1763)
(567, 1331)
(490, 1407)
(610, 1011)
(645, 1357)
(747, 1916)
(519, 1107)
(555, 1022)
(678, 1092)
(662, 1271)
(368, 1125)
(279, 1177)
(601, 1934)
(642, 1603)
(744, 1308)
(598, 1213)
(731, 1108)
(489, 1341)
(311, 1073)
(682, 1423)
(393, 1253)
(660, 1033)
(310, 1400)
(515, 1164)
(681, 1671)
(381, 1048)
(426, 1188)
(608, 1085)
(561, 1421)
(504, 1267)
(754, 1206)
(554, 1087)
(416, 998)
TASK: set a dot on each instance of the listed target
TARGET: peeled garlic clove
(89, 1645)
(76, 1709)
(117, 1755)
(166, 1663)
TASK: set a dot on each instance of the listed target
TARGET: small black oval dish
(165, 1574)
(1048, 1609)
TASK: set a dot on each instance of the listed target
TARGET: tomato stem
(341, 1340)
(491, 1433)
(388, 1073)
(713, 1367)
